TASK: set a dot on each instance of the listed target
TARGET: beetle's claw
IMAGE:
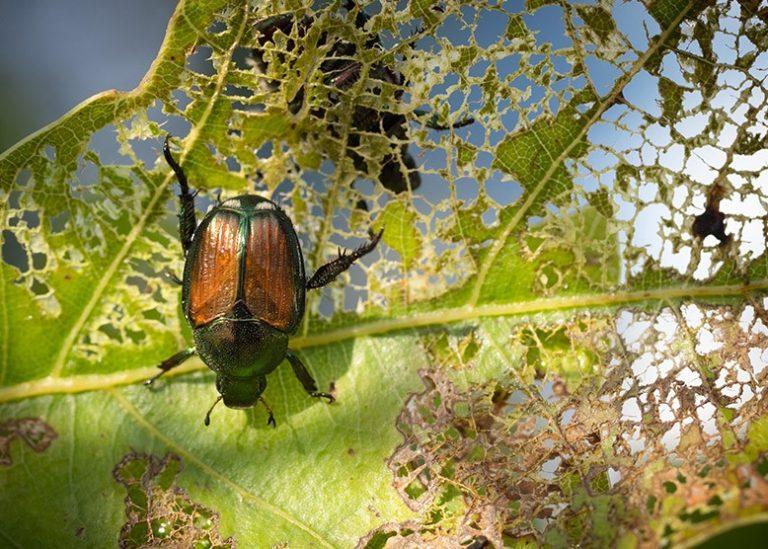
(375, 237)
(151, 381)
(271, 420)
(330, 398)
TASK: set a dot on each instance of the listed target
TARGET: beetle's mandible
(243, 292)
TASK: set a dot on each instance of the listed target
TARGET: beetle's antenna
(271, 420)
(207, 419)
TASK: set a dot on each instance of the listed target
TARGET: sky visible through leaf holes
(556, 343)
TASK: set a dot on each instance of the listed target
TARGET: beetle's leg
(328, 272)
(171, 276)
(271, 419)
(171, 363)
(187, 220)
(305, 378)
(434, 122)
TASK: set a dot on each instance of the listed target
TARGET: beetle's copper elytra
(243, 292)
(213, 271)
(248, 256)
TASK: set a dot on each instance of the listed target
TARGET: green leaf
(598, 19)
(540, 350)
(400, 231)
(673, 98)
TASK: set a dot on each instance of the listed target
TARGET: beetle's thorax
(240, 348)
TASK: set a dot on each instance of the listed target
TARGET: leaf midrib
(92, 382)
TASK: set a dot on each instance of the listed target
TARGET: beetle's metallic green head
(239, 392)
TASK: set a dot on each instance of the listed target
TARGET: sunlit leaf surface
(560, 341)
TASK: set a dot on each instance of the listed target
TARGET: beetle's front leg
(187, 220)
(170, 276)
(171, 362)
(328, 272)
(305, 378)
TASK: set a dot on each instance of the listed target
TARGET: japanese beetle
(397, 170)
(243, 292)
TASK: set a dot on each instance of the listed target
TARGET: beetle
(341, 70)
(712, 221)
(243, 292)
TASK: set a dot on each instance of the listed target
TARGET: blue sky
(55, 54)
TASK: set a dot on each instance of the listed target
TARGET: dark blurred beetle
(342, 71)
(243, 292)
(712, 221)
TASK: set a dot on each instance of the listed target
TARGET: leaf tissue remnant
(160, 514)
(35, 432)
(442, 468)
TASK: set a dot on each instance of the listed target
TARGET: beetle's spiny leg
(347, 76)
(187, 220)
(152, 380)
(171, 362)
(328, 272)
(318, 394)
(271, 419)
(207, 420)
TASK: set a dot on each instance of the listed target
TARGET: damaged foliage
(33, 431)
(670, 439)
(159, 513)
(559, 341)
